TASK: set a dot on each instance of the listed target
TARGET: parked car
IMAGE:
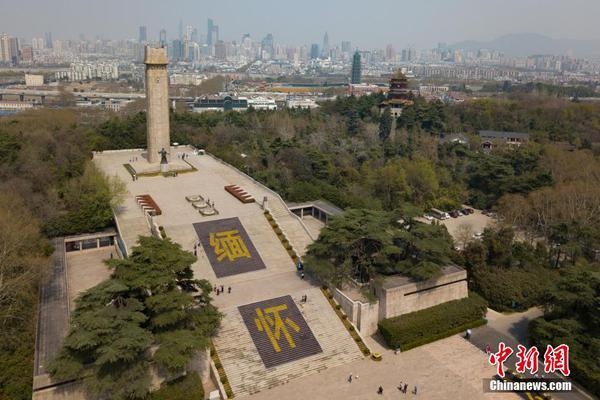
(441, 215)
(465, 211)
(428, 217)
(454, 214)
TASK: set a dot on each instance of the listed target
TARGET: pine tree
(151, 300)
(385, 125)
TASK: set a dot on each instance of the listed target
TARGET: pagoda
(399, 95)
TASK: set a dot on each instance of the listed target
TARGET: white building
(262, 103)
(300, 102)
(34, 80)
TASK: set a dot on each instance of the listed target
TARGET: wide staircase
(244, 367)
(291, 224)
(132, 223)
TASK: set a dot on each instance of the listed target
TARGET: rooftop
(402, 280)
(503, 135)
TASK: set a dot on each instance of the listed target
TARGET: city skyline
(402, 23)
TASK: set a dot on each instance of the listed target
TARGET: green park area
(543, 252)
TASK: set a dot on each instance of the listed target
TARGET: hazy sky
(367, 23)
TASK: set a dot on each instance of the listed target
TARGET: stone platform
(143, 167)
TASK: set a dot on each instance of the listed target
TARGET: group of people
(183, 156)
(402, 387)
(304, 299)
(133, 159)
(220, 289)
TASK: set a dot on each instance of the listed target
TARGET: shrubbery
(188, 387)
(425, 326)
(512, 289)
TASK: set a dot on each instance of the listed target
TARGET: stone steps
(244, 367)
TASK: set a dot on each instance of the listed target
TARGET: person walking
(415, 391)
(350, 378)
(229, 290)
(405, 388)
(380, 390)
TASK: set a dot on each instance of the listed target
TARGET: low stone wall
(364, 316)
(415, 296)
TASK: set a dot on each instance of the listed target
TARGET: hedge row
(421, 327)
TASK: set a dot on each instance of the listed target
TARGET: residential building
(490, 138)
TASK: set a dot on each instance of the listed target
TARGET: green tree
(385, 125)
(89, 202)
(150, 301)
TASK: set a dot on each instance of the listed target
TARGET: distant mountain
(526, 44)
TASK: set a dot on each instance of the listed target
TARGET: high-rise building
(4, 48)
(390, 52)
(220, 50)
(267, 46)
(325, 49)
(9, 49)
(180, 30)
(212, 33)
(346, 47)
(143, 36)
(48, 38)
(356, 69)
(314, 51)
(177, 50)
(162, 38)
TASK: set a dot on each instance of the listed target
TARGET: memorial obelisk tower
(157, 98)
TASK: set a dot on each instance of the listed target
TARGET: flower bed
(357, 339)
(221, 371)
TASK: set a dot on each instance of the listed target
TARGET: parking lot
(476, 223)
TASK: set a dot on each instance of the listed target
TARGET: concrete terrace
(247, 373)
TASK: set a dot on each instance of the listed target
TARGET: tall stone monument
(157, 97)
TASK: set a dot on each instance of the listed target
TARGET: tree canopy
(151, 312)
(365, 244)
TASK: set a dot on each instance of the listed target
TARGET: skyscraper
(314, 51)
(220, 50)
(180, 30)
(267, 45)
(346, 47)
(177, 50)
(48, 37)
(212, 33)
(143, 36)
(356, 69)
(162, 38)
(325, 48)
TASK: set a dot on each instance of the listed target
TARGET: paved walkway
(53, 320)
(447, 369)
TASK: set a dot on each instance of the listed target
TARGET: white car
(428, 217)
